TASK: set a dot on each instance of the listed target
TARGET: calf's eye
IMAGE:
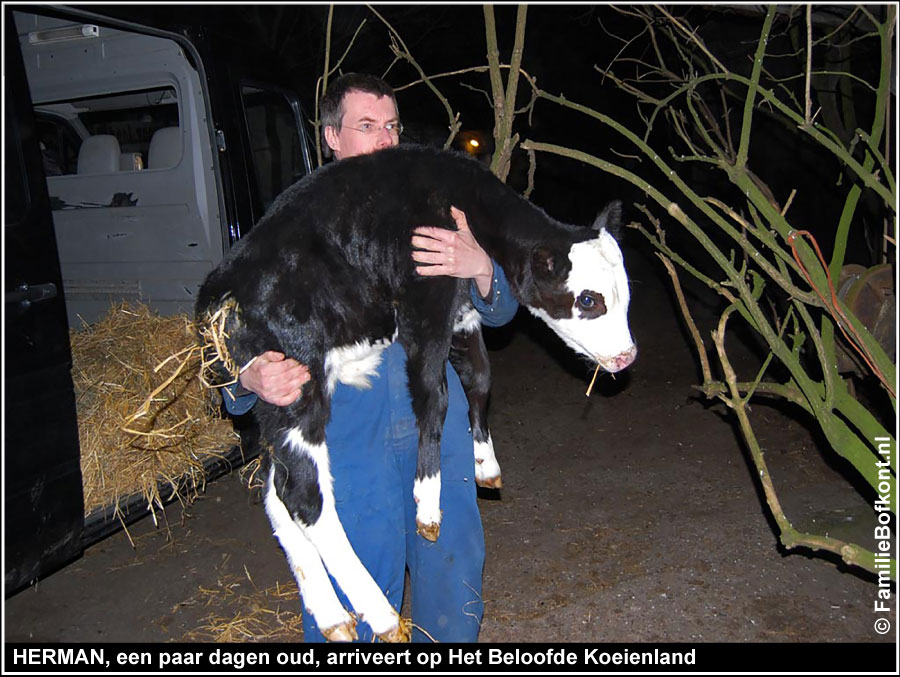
(591, 304)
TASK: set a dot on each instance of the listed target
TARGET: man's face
(363, 108)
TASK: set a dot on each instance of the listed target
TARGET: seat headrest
(165, 148)
(99, 154)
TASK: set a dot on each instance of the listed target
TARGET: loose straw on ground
(240, 611)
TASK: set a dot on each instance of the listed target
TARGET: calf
(327, 277)
(469, 358)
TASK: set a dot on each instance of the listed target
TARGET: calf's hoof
(489, 482)
(401, 634)
(429, 532)
(343, 632)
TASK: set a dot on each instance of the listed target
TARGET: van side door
(43, 509)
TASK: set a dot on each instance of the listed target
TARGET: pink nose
(620, 361)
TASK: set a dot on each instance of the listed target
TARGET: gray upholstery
(99, 154)
(165, 148)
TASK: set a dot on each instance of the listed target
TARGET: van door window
(130, 162)
(276, 147)
(59, 143)
(132, 118)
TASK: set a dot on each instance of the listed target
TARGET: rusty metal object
(870, 294)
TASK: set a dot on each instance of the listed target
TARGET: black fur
(299, 488)
(331, 263)
(610, 218)
(469, 358)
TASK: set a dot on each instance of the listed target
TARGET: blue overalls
(372, 442)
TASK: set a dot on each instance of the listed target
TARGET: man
(373, 438)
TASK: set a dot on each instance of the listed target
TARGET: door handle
(26, 295)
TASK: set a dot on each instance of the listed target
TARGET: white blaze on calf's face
(598, 277)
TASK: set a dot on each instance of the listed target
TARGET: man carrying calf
(329, 280)
(373, 438)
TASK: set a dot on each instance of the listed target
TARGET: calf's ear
(544, 264)
(610, 218)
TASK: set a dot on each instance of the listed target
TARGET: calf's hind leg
(316, 591)
(301, 481)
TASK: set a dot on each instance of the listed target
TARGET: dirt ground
(632, 515)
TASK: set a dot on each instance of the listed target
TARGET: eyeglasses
(371, 129)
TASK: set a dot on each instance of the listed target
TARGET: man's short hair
(331, 108)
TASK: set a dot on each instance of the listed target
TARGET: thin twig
(321, 85)
(688, 319)
(808, 63)
(398, 46)
(693, 37)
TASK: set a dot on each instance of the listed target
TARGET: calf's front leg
(469, 358)
(428, 390)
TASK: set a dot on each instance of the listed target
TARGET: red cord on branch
(834, 307)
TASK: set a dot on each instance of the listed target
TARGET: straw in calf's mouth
(591, 386)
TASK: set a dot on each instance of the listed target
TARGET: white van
(135, 156)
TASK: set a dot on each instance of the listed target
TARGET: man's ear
(331, 138)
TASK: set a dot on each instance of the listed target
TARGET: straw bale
(113, 369)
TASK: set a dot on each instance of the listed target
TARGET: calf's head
(582, 294)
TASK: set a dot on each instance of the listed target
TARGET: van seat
(165, 148)
(99, 154)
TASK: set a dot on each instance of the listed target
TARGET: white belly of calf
(467, 321)
(354, 364)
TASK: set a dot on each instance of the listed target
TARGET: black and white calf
(469, 358)
(327, 277)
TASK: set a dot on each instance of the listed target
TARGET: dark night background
(634, 515)
(564, 46)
